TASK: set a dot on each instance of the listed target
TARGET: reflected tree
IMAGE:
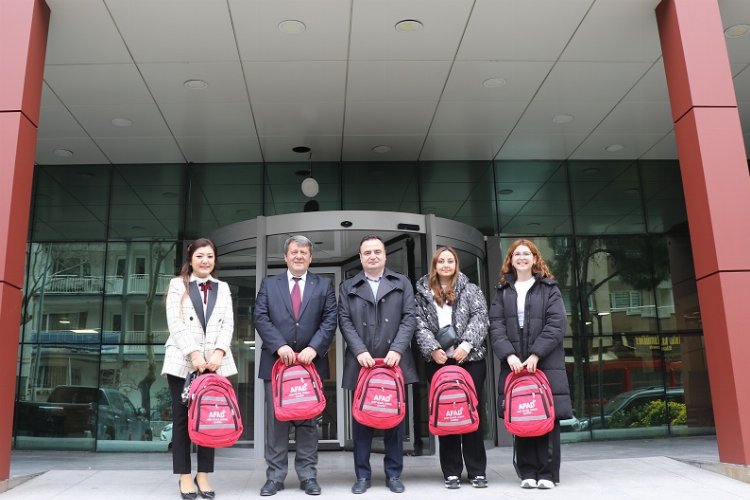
(640, 262)
(159, 251)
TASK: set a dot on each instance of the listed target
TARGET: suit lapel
(282, 286)
(310, 284)
(195, 298)
(213, 295)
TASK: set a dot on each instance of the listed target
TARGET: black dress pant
(457, 450)
(539, 457)
(180, 438)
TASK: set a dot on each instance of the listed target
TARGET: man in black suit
(295, 312)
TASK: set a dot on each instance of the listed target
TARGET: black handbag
(186, 389)
(446, 336)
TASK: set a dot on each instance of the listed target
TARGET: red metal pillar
(23, 42)
(717, 189)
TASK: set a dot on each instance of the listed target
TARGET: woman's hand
(214, 361)
(460, 355)
(515, 363)
(198, 361)
(531, 363)
(439, 356)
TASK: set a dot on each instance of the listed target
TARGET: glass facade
(105, 240)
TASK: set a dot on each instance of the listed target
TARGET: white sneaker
(545, 484)
(528, 484)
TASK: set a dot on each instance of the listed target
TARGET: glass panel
(686, 362)
(532, 197)
(146, 201)
(461, 191)
(62, 296)
(133, 399)
(606, 197)
(380, 186)
(283, 191)
(663, 195)
(221, 195)
(68, 376)
(71, 202)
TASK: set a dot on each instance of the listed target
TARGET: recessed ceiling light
(614, 147)
(533, 224)
(737, 31)
(86, 175)
(631, 191)
(505, 191)
(169, 194)
(301, 149)
(303, 173)
(63, 153)
(591, 170)
(562, 118)
(493, 83)
(137, 228)
(408, 26)
(121, 122)
(380, 149)
(292, 26)
(195, 84)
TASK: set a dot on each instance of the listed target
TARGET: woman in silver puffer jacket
(444, 297)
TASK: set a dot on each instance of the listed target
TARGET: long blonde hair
(538, 269)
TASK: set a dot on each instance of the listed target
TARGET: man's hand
(286, 354)
(307, 355)
(365, 360)
(392, 358)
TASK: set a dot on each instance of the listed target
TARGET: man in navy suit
(295, 312)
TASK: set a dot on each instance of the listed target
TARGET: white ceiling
(350, 81)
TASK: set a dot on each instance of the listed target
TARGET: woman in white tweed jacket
(201, 325)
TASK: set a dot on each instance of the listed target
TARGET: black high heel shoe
(190, 495)
(204, 494)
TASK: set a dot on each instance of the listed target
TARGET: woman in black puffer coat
(527, 327)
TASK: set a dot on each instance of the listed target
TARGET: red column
(23, 41)
(717, 189)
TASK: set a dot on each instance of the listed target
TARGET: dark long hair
(187, 266)
(447, 296)
(539, 269)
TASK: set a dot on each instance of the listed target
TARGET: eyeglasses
(522, 254)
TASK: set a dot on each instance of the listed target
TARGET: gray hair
(299, 240)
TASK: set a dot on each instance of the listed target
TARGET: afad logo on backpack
(452, 402)
(214, 418)
(529, 404)
(297, 391)
(379, 397)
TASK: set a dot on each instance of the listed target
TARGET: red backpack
(214, 417)
(379, 400)
(297, 391)
(452, 402)
(529, 405)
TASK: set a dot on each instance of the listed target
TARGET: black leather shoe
(271, 488)
(190, 495)
(395, 484)
(360, 486)
(204, 494)
(310, 486)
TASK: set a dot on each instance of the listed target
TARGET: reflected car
(166, 435)
(571, 424)
(628, 401)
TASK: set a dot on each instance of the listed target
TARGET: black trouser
(180, 437)
(539, 457)
(457, 450)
